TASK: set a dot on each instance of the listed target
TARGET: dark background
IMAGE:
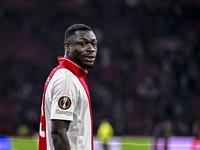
(146, 78)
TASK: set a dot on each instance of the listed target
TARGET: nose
(91, 48)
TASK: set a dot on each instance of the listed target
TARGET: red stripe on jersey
(85, 85)
(42, 133)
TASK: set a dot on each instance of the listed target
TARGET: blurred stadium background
(146, 79)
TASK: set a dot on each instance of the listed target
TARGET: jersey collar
(71, 65)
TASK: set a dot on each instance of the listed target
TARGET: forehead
(89, 35)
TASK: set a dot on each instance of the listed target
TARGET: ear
(67, 47)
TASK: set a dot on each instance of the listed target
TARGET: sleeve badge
(64, 102)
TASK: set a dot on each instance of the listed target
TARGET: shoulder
(64, 76)
(63, 73)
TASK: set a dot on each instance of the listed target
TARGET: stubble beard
(89, 66)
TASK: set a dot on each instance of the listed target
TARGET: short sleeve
(63, 96)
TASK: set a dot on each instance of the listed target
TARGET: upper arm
(59, 126)
(59, 135)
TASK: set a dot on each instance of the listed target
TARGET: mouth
(90, 58)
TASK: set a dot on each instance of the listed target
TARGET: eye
(94, 45)
(83, 44)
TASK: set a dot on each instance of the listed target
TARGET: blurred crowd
(146, 79)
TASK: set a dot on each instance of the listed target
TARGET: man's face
(82, 48)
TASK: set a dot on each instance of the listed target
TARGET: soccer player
(66, 115)
(105, 133)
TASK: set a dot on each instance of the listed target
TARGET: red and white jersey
(66, 97)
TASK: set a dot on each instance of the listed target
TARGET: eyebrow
(88, 39)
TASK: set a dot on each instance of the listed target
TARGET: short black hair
(72, 29)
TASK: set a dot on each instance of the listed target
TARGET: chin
(89, 66)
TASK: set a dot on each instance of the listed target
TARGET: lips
(90, 58)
